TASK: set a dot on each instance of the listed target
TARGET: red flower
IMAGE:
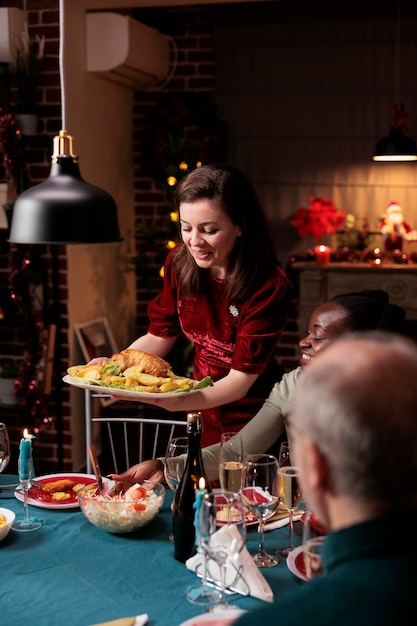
(321, 217)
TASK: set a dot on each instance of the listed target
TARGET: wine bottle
(183, 511)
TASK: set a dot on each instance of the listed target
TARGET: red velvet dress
(226, 335)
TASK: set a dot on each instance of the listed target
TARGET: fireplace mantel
(318, 283)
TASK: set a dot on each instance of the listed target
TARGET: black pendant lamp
(397, 146)
(64, 209)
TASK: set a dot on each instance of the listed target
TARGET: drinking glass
(4, 447)
(26, 524)
(174, 465)
(289, 492)
(313, 544)
(221, 540)
(260, 494)
(231, 462)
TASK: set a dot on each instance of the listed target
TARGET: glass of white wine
(289, 492)
(260, 494)
(231, 462)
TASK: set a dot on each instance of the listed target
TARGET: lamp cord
(397, 54)
(61, 65)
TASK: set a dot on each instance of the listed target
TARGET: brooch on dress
(233, 310)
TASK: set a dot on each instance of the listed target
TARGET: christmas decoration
(395, 229)
(321, 217)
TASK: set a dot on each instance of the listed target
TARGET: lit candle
(199, 495)
(25, 456)
(376, 262)
(322, 254)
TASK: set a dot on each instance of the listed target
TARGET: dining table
(71, 573)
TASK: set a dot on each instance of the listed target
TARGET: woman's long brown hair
(253, 258)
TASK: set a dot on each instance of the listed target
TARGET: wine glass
(4, 447)
(289, 492)
(174, 466)
(221, 538)
(175, 457)
(231, 462)
(313, 543)
(260, 494)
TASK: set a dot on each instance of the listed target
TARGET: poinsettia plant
(321, 217)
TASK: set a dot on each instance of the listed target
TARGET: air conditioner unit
(12, 24)
(122, 49)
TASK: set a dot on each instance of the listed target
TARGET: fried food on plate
(136, 370)
(149, 363)
(58, 485)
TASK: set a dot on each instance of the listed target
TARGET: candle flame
(26, 433)
(202, 483)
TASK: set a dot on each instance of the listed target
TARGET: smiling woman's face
(327, 322)
(209, 234)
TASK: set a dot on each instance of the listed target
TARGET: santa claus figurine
(395, 229)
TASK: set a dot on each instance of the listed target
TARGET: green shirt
(371, 580)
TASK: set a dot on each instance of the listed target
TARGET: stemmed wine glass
(289, 491)
(175, 457)
(4, 447)
(313, 543)
(231, 462)
(221, 540)
(260, 494)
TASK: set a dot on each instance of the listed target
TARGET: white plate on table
(215, 616)
(128, 394)
(38, 498)
(295, 563)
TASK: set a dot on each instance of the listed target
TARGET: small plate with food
(131, 373)
(222, 514)
(58, 491)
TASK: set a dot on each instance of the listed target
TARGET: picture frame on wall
(96, 339)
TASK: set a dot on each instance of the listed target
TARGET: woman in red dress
(224, 290)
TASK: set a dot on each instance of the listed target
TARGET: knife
(96, 467)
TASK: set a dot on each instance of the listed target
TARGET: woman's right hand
(152, 470)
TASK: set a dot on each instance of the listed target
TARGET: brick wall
(15, 335)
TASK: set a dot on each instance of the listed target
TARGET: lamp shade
(64, 209)
(395, 147)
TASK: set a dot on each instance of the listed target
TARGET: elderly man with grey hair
(353, 424)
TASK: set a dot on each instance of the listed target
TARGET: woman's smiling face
(209, 234)
(327, 322)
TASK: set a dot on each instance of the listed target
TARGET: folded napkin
(242, 575)
(139, 620)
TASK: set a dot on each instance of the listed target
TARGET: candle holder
(25, 474)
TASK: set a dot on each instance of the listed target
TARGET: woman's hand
(152, 470)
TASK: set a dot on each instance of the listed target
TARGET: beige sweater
(264, 428)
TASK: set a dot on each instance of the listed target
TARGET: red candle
(322, 255)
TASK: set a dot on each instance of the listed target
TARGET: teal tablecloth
(70, 573)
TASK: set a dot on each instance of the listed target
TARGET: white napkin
(139, 620)
(242, 575)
